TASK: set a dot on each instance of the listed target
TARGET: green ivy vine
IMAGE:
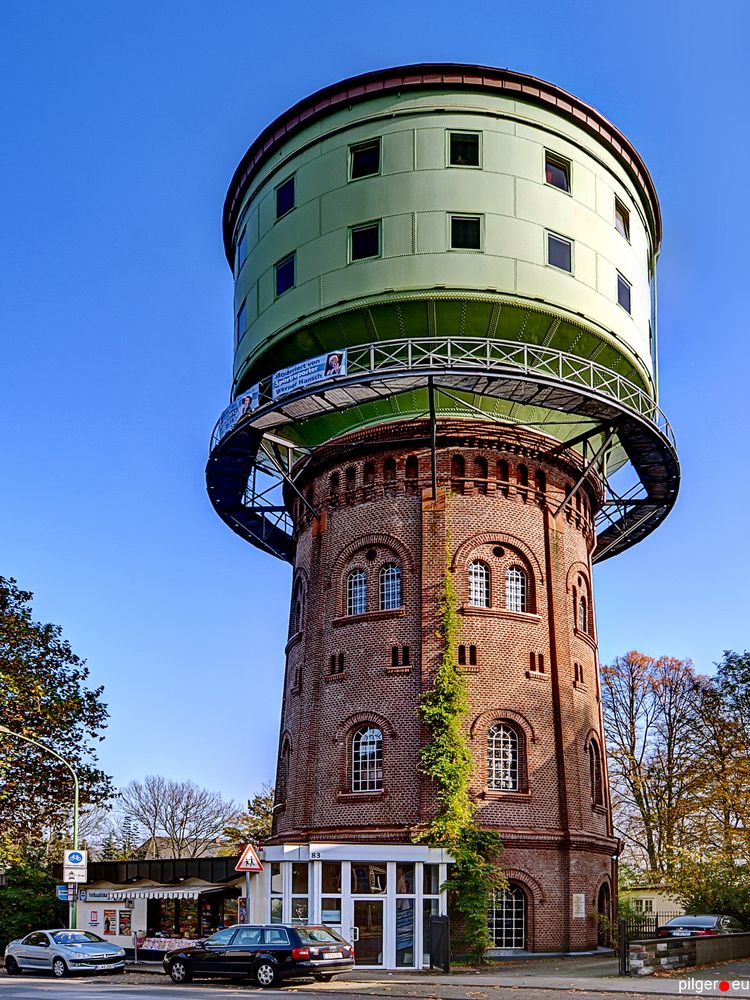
(447, 760)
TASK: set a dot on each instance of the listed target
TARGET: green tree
(252, 826)
(652, 713)
(27, 899)
(718, 885)
(474, 876)
(43, 694)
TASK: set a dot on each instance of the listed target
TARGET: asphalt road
(145, 987)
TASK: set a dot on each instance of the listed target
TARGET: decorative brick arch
(604, 879)
(581, 569)
(481, 722)
(370, 541)
(348, 725)
(527, 882)
(497, 538)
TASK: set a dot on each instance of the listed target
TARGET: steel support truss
(252, 461)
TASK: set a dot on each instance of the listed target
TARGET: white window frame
(356, 600)
(389, 587)
(516, 589)
(366, 768)
(503, 758)
(480, 584)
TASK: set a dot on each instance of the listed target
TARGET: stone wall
(663, 954)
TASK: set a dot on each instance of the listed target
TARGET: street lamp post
(54, 753)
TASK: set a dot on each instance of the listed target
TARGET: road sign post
(75, 870)
(249, 863)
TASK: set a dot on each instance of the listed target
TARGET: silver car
(61, 952)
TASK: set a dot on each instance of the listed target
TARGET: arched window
(368, 473)
(334, 482)
(503, 764)
(523, 478)
(356, 592)
(390, 587)
(516, 589)
(351, 477)
(479, 584)
(507, 917)
(282, 775)
(583, 618)
(367, 760)
(541, 481)
(412, 467)
(502, 475)
(458, 473)
(298, 609)
(595, 773)
(389, 469)
(480, 474)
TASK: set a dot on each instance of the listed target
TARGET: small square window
(364, 159)
(557, 171)
(466, 232)
(365, 241)
(464, 149)
(623, 292)
(622, 219)
(559, 252)
(241, 320)
(285, 197)
(285, 274)
(241, 253)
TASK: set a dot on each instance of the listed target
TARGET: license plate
(333, 954)
(682, 933)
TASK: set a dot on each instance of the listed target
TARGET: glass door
(368, 920)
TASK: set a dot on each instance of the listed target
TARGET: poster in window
(110, 916)
(125, 922)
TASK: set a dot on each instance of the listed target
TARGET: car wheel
(179, 971)
(266, 974)
(12, 967)
(59, 968)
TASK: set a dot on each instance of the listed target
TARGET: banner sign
(93, 895)
(308, 372)
(245, 403)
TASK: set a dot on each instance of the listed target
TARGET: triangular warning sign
(249, 862)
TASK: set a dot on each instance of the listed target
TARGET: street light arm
(54, 753)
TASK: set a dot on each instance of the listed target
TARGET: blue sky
(122, 124)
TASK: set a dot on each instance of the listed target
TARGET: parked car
(703, 923)
(266, 954)
(60, 952)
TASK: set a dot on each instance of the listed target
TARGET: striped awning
(167, 892)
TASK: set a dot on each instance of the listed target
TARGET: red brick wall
(557, 841)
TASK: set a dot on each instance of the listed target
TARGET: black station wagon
(267, 954)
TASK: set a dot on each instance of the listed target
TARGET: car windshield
(77, 937)
(318, 935)
(691, 922)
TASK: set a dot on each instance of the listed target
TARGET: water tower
(445, 301)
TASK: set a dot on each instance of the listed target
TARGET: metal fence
(638, 928)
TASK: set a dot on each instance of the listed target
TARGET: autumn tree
(180, 819)
(43, 695)
(652, 710)
(252, 826)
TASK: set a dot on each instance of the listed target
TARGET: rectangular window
(405, 657)
(365, 241)
(622, 219)
(623, 292)
(463, 149)
(285, 274)
(364, 159)
(557, 171)
(241, 321)
(466, 232)
(285, 197)
(241, 253)
(559, 252)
